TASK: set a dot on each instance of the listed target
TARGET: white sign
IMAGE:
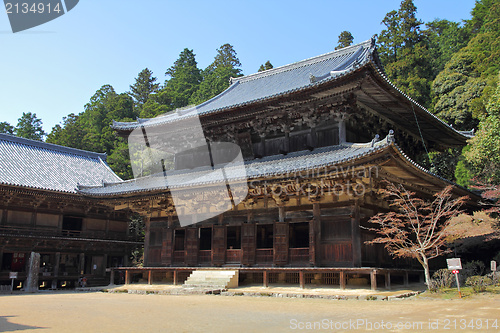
(454, 263)
(493, 266)
(12, 275)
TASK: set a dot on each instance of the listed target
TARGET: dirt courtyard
(122, 312)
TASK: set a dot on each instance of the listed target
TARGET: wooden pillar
(55, 273)
(127, 276)
(406, 280)
(314, 137)
(281, 213)
(112, 277)
(265, 279)
(302, 279)
(373, 279)
(82, 263)
(150, 277)
(315, 236)
(342, 131)
(342, 280)
(262, 149)
(1, 256)
(147, 232)
(175, 277)
(356, 236)
(191, 239)
(388, 280)
(105, 264)
(287, 141)
(3, 217)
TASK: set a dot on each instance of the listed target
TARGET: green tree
(266, 66)
(216, 77)
(30, 127)
(6, 128)
(70, 134)
(404, 51)
(145, 85)
(462, 90)
(345, 39)
(445, 39)
(484, 152)
(185, 79)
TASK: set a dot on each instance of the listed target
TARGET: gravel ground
(123, 312)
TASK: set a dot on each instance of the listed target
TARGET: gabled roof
(318, 77)
(36, 164)
(272, 83)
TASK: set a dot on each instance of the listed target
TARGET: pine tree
(30, 127)
(217, 75)
(266, 66)
(345, 40)
(145, 85)
(6, 128)
(404, 51)
(185, 79)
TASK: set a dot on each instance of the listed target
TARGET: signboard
(12, 275)
(454, 263)
(493, 266)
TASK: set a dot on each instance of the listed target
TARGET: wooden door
(248, 244)
(167, 246)
(280, 243)
(218, 245)
(191, 246)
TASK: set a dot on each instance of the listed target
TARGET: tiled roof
(273, 82)
(37, 164)
(276, 165)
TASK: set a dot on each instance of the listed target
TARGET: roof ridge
(301, 63)
(52, 146)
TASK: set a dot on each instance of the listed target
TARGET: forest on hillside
(451, 68)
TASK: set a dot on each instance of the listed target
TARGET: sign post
(493, 266)
(455, 265)
(12, 276)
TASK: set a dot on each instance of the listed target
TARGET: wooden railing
(52, 232)
(300, 254)
(233, 256)
(264, 255)
(179, 256)
(205, 256)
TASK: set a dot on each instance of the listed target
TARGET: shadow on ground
(7, 326)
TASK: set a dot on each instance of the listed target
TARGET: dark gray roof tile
(37, 164)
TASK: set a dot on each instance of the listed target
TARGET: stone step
(212, 279)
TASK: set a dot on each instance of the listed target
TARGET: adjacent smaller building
(41, 212)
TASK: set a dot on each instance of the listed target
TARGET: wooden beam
(150, 277)
(388, 280)
(265, 279)
(127, 276)
(175, 277)
(302, 279)
(112, 277)
(147, 232)
(342, 280)
(373, 279)
(356, 236)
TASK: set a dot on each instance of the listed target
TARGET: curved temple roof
(36, 164)
(319, 72)
(271, 83)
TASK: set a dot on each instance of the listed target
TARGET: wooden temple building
(41, 212)
(317, 138)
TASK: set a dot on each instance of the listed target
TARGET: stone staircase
(212, 279)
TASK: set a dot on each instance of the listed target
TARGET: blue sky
(54, 69)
